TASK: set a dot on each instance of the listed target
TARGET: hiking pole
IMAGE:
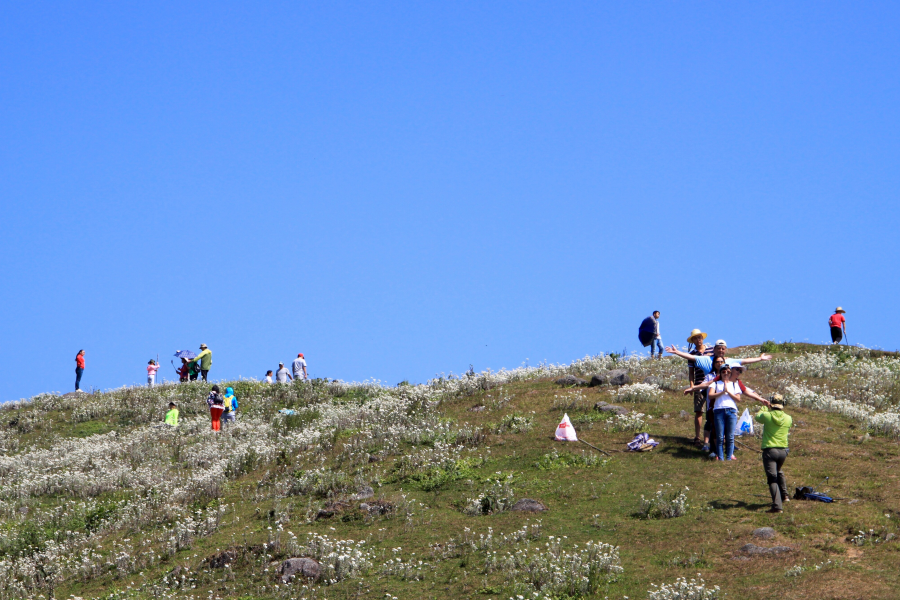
(747, 447)
(596, 448)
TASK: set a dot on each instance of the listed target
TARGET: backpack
(808, 493)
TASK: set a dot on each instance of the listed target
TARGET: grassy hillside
(99, 501)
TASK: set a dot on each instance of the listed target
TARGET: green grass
(589, 497)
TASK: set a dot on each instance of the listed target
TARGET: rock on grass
(528, 505)
(300, 567)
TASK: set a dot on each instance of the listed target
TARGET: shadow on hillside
(678, 446)
(728, 504)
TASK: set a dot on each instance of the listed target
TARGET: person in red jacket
(837, 322)
(79, 369)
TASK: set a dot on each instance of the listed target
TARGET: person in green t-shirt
(204, 359)
(776, 428)
(172, 415)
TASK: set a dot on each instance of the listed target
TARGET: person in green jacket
(776, 428)
(172, 415)
(204, 359)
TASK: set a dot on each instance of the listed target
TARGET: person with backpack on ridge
(776, 429)
(216, 407)
(231, 406)
(648, 334)
(204, 359)
(838, 325)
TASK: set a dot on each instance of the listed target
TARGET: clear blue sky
(402, 189)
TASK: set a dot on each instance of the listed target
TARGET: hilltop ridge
(408, 490)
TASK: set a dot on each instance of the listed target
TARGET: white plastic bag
(565, 432)
(745, 424)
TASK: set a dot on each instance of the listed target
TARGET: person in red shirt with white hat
(837, 322)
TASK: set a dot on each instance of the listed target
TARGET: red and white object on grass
(565, 432)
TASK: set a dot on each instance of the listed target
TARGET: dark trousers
(205, 373)
(836, 335)
(773, 459)
(78, 373)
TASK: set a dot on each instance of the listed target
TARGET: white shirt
(297, 367)
(268, 379)
(725, 401)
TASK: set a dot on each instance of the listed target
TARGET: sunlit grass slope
(97, 500)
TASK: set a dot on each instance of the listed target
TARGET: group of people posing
(192, 369)
(717, 389)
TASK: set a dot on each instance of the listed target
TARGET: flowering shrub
(632, 422)
(553, 571)
(573, 400)
(887, 422)
(496, 497)
(682, 589)
(340, 559)
(637, 392)
(409, 570)
(515, 424)
(665, 504)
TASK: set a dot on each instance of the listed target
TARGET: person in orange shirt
(837, 322)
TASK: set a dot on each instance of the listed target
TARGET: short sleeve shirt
(725, 401)
(837, 319)
(704, 363)
(297, 367)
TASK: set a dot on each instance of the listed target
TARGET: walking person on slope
(776, 428)
(299, 367)
(204, 359)
(648, 334)
(79, 369)
(231, 405)
(838, 325)
(152, 368)
(216, 407)
(282, 375)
